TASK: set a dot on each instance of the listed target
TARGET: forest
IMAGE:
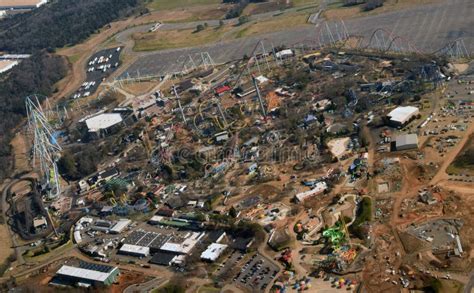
(36, 75)
(58, 24)
(62, 23)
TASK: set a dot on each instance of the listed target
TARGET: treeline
(367, 5)
(61, 23)
(239, 7)
(36, 75)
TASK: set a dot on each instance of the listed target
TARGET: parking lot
(99, 66)
(229, 264)
(256, 274)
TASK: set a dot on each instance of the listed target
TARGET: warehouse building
(102, 124)
(401, 116)
(213, 252)
(86, 275)
(21, 4)
(152, 240)
(134, 250)
(120, 226)
(182, 245)
(406, 142)
(163, 258)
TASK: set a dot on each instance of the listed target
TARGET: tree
(221, 23)
(60, 23)
(199, 28)
(243, 19)
(67, 166)
(233, 212)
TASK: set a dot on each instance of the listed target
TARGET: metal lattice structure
(454, 50)
(46, 150)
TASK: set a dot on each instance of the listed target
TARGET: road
(469, 287)
(428, 27)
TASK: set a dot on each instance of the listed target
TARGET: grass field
(5, 245)
(447, 286)
(304, 2)
(73, 58)
(364, 214)
(139, 88)
(208, 289)
(182, 38)
(177, 39)
(174, 4)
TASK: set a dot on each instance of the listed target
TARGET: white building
(185, 246)
(21, 4)
(88, 274)
(406, 142)
(120, 226)
(6, 65)
(213, 252)
(402, 115)
(284, 54)
(134, 250)
(319, 188)
(102, 122)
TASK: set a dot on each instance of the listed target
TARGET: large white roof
(83, 273)
(403, 114)
(130, 248)
(284, 53)
(406, 139)
(213, 251)
(184, 247)
(120, 225)
(103, 121)
(20, 3)
(318, 188)
(6, 65)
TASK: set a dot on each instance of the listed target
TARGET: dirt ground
(21, 153)
(5, 244)
(186, 14)
(139, 88)
(126, 279)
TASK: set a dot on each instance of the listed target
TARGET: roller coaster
(46, 149)
(335, 35)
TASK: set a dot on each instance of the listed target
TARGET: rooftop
(163, 258)
(6, 65)
(84, 273)
(213, 251)
(120, 225)
(185, 246)
(103, 121)
(402, 114)
(406, 139)
(19, 3)
(130, 248)
(318, 188)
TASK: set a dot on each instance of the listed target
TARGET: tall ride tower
(46, 150)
